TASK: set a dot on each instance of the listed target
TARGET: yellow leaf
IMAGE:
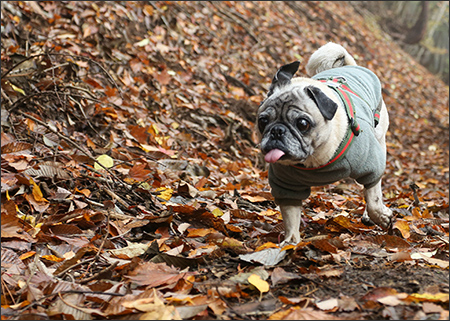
(18, 89)
(403, 227)
(267, 245)
(165, 193)
(155, 128)
(258, 283)
(28, 218)
(53, 258)
(37, 194)
(217, 212)
(269, 212)
(104, 160)
(143, 42)
(145, 185)
(159, 140)
(231, 242)
(200, 232)
(27, 255)
(442, 297)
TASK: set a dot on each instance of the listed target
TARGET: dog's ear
(283, 76)
(326, 106)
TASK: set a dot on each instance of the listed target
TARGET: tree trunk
(417, 32)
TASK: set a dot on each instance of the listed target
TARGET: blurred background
(420, 27)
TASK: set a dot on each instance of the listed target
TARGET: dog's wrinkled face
(290, 125)
(294, 120)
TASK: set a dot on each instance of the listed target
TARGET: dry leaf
(328, 305)
(258, 283)
(105, 161)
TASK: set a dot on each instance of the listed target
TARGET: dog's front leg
(292, 215)
(376, 212)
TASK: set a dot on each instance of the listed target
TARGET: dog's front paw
(382, 217)
(291, 218)
(292, 240)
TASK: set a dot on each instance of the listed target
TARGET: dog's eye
(303, 124)
(262, 123)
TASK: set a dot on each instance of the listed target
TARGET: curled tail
(329, 56)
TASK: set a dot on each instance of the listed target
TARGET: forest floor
(132, 186)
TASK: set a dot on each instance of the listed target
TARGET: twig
(116, 197)
(37, 301)
(75, 145)
(114, 215)
(111, 79)
(57, 66)
(4, 285)
(86, 118)
(101, 179)
(96, 275)
(78, 308)
(98, 179)
(238, 83)
(18, 64)
(109, 208)
(21, 100)
(81, 89)
(226, 15)
(61, 274)
(49, 92)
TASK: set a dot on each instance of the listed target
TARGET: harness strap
(339, 85)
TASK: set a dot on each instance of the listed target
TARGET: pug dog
(318, 130)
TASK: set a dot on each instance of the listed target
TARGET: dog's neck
(325, 152)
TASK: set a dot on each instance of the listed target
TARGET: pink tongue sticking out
(273, 155)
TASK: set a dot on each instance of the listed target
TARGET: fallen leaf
(37, 193)
(378, 293)
(438, 297)
(258, 283)
(268, 257)
(155, 274)
(391, 300)
(296, 313)
(200, 232)
(390, 241)
(403, 227)
(132, 250)
(329, 305)
(429, 307)
(347, 303)
(27, 255)
(164, 193)
(267, 245)
(104, 160)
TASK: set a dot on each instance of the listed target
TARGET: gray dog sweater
(363, 160)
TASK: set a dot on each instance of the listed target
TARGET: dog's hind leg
(376, 212)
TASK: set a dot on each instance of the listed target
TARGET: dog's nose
(277, 131)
